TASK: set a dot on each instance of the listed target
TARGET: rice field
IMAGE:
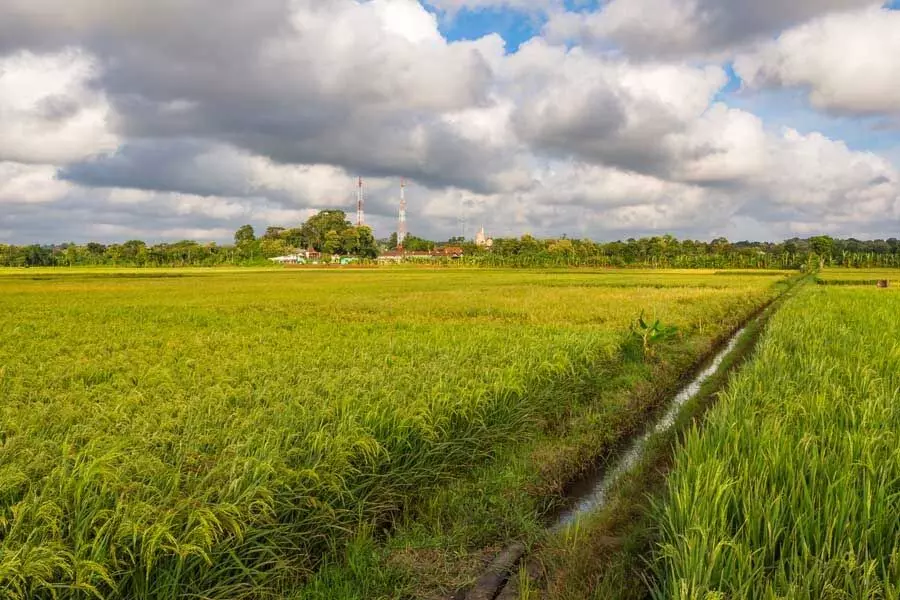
(222, 434)
(858, 276)
(792, 487)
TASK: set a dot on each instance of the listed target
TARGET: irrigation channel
(592, 492)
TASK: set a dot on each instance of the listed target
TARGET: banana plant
(651, 334)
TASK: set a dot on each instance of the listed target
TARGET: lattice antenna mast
(401, 226)
(463, 218)
(360, 205)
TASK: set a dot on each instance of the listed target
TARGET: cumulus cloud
(818, 179)
(48, 111)
(129, 120)
(29, 184)
(75, 213)
(206, 169)
(573, 103)
(688, 27)
(848, 62)
(361, 85)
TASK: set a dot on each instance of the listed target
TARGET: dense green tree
(367, 247)
(332, 243)
(562, 248)
(95, 248)
(294, 238)
(416, 244)
(273, 233)
(317, 227)
(244, 234)
(823, 246)
(350, 241)
(527, 251)
(271, 247)
(246, 244)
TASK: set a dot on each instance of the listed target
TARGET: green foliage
(651, 334)
(525, 252)
(244, 235)
(792, 488)
(822, 246)
(367, 246)
(325, 228)
(417, 244)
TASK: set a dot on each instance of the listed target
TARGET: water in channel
(593, 494)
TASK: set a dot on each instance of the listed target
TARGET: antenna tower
(360, 205)
(463, 218)
(401, 226)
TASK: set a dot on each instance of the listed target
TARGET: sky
(605, 119)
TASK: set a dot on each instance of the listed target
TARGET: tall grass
(792, 489)
(218, 436)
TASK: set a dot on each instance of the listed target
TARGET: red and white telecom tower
(360, 205)
(401, 226)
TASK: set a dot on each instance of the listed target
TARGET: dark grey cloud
(175, 28)
(300, 82)
(667, 28)
(726, 22)
(154, 165)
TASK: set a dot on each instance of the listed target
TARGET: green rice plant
(230, 434)
(792, 487)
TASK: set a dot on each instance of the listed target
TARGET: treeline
(669, 252)
(327, 232)
(331, 234)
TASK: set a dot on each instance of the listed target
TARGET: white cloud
(824, 180)
(849, 62)
(551, 139)
(607, 110)
(48, 112)
(27, 183)
(719, 146)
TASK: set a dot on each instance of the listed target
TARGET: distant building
(300, 258)
(482, 240)
(397, 256)
(453, 252)
(312, 254)
(290, 259)
(390, 256)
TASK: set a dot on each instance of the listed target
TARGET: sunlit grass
(792, 488)
(859, 276)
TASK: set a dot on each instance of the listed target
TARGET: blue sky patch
(514, 26)
(732, 86)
